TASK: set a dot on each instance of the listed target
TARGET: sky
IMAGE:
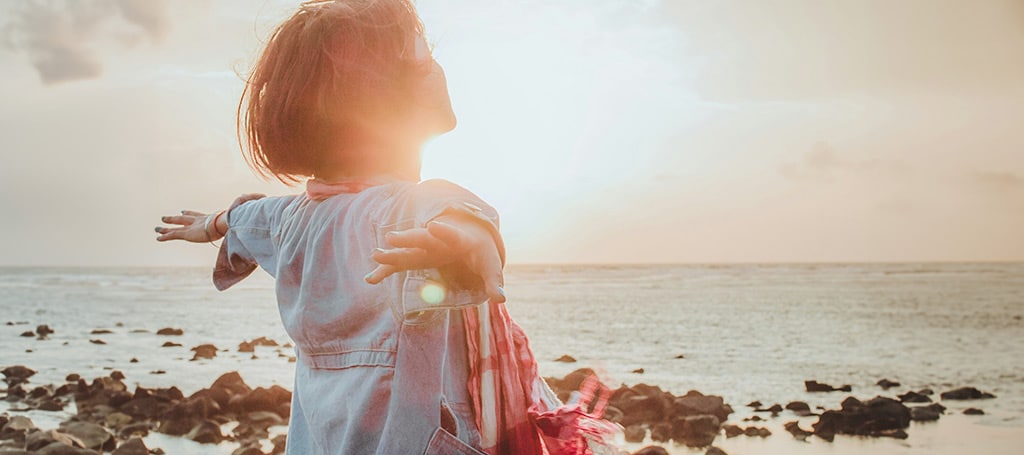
(604, 131)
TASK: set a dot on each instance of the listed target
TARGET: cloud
(805, 49)
(61, 38)
(150, 15)
(822, 163)
(998, 180)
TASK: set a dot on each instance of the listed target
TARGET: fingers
(494, 279)
(380, 272)
(192, 213)
(183, 220)
(408, 258)
(416, 238)
(452, 236)
(169, 234)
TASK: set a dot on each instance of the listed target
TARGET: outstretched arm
(455, 242)
(198, 227)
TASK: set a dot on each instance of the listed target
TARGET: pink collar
(319, 190)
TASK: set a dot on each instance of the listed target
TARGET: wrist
(213, 231)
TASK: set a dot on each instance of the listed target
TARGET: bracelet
(206, 225)
(215, 219)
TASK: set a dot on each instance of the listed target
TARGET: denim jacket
(382, 368)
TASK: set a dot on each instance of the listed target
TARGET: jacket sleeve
(251, 240)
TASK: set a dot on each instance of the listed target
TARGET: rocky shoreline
(111, 418)
(697, 420)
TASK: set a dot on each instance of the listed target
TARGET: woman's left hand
(446, 242)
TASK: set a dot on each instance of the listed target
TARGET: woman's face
(434, 106)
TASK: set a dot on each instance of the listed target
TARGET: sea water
(745, 332)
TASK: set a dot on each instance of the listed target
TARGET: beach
(742, 332)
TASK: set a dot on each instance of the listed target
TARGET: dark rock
(248, 450)
(140, 429)
(794, 429)
(279, 442)
(117, 375)
(566, 358)
(28, 334)
(206, 432)
(204, 351)
(43, 330)
(638, 371)
(715, 451)
(93, 436)
(170, 344)
(97, 341)
(613, 414)
(41, 391)
(116, 420)
(926, 391)
(168, 331)
(914, 397)
(133, 446)
(641, 403)
(16, 428)
(973, 412)
(57, 448)
(695, 430)
(754, 418)
(635, 433)
(246, 346)
(17, 374)
(694, 403)
(775, 409)
(264, 341)
(924, 414)
(273, 399)
(18, 371)
(50, 404)
(799, 408)
(39, 439)
(755, 404)
(897, 433)
(661, 432)
(731, 431)
(965, 393)
(133, 360)
(815, 386)
(753, 431)
(100, 332)
(231, 382)
(887, 384)
(874, 417)
(158, 372)
(651, 450)
(680, 356)
(73, 377)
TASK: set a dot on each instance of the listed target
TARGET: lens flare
(433, 293)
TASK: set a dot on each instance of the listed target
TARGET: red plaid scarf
(515, 410)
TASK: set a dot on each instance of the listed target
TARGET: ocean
(746, 332)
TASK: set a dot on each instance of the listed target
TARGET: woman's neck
(396, 166)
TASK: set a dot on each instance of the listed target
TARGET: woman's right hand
(198, 227)
(194, 227)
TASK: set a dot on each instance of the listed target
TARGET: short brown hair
(329, 65)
